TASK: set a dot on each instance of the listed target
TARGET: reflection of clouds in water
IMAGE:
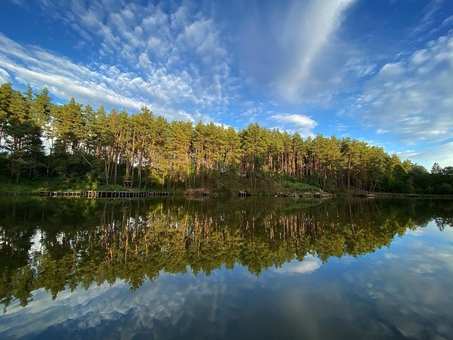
(179, 304)
(432, 230)
(396, 292)
(308, 265)
(403, 291)
(411, 293)
(99, 305)
(425, 268)
(416, 232)
(173, 304)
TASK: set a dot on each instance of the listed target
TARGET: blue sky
(376, 70)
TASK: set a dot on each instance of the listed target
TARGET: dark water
(226, 269)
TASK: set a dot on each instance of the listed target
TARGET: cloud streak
(287, 52)
(312, 33)
(101, 85)
(410, 97)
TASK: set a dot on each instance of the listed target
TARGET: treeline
(82, 147)
(65, 244)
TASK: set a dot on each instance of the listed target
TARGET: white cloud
(295, 123)
(441, 154)
(154, 41)
(391, 70)
(431, 8)
(359, 67)
(180, 18)
(309, 34)
(22, 3)
(447, 22)
(4, 76)
(407, 154)
(411, 98)
(293, 50)
(66, 78)
(429, 13)
(163, 92)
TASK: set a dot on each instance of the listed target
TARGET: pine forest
(76, 146)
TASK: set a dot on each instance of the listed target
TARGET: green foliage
(445, 189)
(88, 148)
(299, 187)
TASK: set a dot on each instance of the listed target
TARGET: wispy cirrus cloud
(172, 56)
(319, 21)
(103, 85)
(21, 3)
(172, 38)
(179, 57)
(428, 14)
(410, 97)
(4, 76)
(430, 156)
(288, 52)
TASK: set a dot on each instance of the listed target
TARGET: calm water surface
(226, 269)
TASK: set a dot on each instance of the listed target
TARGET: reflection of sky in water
(404, 291)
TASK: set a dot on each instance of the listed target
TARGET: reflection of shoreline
(138, 243)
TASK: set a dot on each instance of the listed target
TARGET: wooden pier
(61, 193)
(103, 194)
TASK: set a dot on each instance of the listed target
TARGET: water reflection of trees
(61, 244)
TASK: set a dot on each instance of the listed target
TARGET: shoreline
(99, 194)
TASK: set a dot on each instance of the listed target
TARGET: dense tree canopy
(81, 146)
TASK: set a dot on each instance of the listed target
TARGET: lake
(226, 268)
